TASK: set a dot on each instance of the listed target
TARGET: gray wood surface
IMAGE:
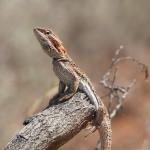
(54, 126)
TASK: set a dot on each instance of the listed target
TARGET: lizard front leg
(67, 77)
(71, 90)
(61, 88)
(55, 98)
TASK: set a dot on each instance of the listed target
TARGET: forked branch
(119, 92)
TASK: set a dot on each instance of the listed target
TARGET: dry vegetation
(91, 30)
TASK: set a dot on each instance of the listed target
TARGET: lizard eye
(47, 32)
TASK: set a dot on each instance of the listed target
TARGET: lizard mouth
(42, 38)
(39, 32)
(42, 35)
(47, 38)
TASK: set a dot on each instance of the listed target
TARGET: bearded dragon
(71, 78)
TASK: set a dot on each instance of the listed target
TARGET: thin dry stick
(117, 92)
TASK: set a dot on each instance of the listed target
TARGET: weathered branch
(54, 126)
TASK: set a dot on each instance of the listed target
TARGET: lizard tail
(105, 133)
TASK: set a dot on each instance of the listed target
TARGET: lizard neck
(65, 57)
(61, 58)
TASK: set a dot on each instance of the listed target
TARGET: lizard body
(71, 79)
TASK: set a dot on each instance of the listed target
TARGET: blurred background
(91, 31)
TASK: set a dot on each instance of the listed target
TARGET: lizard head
(50, 42)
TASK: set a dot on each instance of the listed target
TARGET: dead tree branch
(119, 92)
(54, 126)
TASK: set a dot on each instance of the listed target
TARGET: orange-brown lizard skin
(71, 79)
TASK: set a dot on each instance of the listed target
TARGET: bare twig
(116, 92)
